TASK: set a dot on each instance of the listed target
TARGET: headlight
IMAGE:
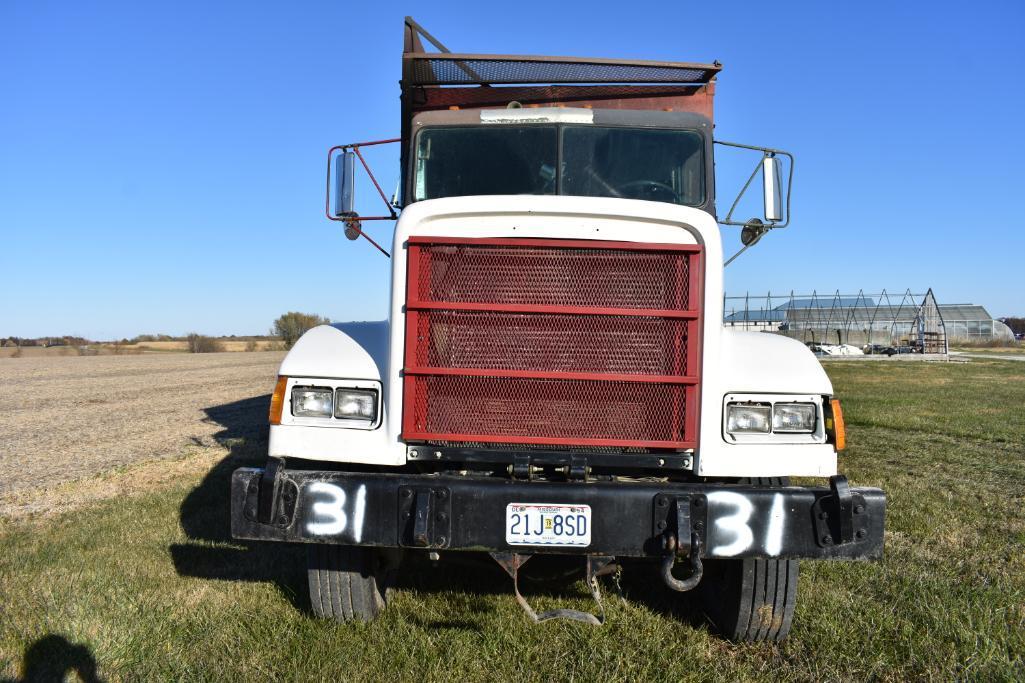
(356, 404)
(773, 419)
(323, 402)
(748, 418)
(793, 418)
(311, 401)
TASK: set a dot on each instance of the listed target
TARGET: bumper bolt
(861, 533)
(823, 515)
(858, 509)
(827, 539)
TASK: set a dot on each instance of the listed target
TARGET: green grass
(151, 587)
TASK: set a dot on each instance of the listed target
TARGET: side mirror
(345, 190)
(772, 182)
(341, 207)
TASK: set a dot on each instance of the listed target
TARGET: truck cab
(554, 376)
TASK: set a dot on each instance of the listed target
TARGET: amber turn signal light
(277, 401)
(835, 427)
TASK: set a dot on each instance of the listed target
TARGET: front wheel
(750, 600)
(346, 583)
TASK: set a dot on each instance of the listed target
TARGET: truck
(554, 377)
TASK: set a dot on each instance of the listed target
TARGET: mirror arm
(729, 216)
(742, 250)
(766, 151)
(354, 223)
(370, 173)
(790, 185)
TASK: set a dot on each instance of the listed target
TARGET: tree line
(1017, 325)
(288, 328)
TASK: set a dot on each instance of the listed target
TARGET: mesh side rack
(428, 69)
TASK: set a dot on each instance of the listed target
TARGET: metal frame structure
(864, 318)
(444, 80)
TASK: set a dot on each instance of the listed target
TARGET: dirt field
(70, 418)
(106, 349)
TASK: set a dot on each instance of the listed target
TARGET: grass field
(150, 587)
(989, 346)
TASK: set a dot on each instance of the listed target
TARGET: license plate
(552, 525)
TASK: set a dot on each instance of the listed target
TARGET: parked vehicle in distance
(554, 377)
(820, 349)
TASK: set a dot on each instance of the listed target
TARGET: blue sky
(161, 164)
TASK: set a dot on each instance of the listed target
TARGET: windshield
(591, 161)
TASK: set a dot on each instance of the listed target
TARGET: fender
(341, 351)
(357, 350)
(760, 362)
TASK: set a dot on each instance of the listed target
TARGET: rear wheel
(346, 583)
(750, 600)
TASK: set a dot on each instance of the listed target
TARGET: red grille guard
(552, 342)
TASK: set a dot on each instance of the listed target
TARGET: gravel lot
(69, 418)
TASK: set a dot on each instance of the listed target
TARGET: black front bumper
(628, 519)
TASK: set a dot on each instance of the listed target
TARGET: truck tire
(346, 583)
(750, 600)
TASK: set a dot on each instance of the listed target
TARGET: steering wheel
(651, 190)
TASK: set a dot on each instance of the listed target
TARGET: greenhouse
(972, 322)
(905, 319)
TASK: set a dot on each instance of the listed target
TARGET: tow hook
(669, 560)
(681, 540)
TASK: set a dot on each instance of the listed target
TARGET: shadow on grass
(643, 584)
(52, 658)
(478, 574)
(468, 581)
(469, 577)
(205, 514)
(211, 553)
